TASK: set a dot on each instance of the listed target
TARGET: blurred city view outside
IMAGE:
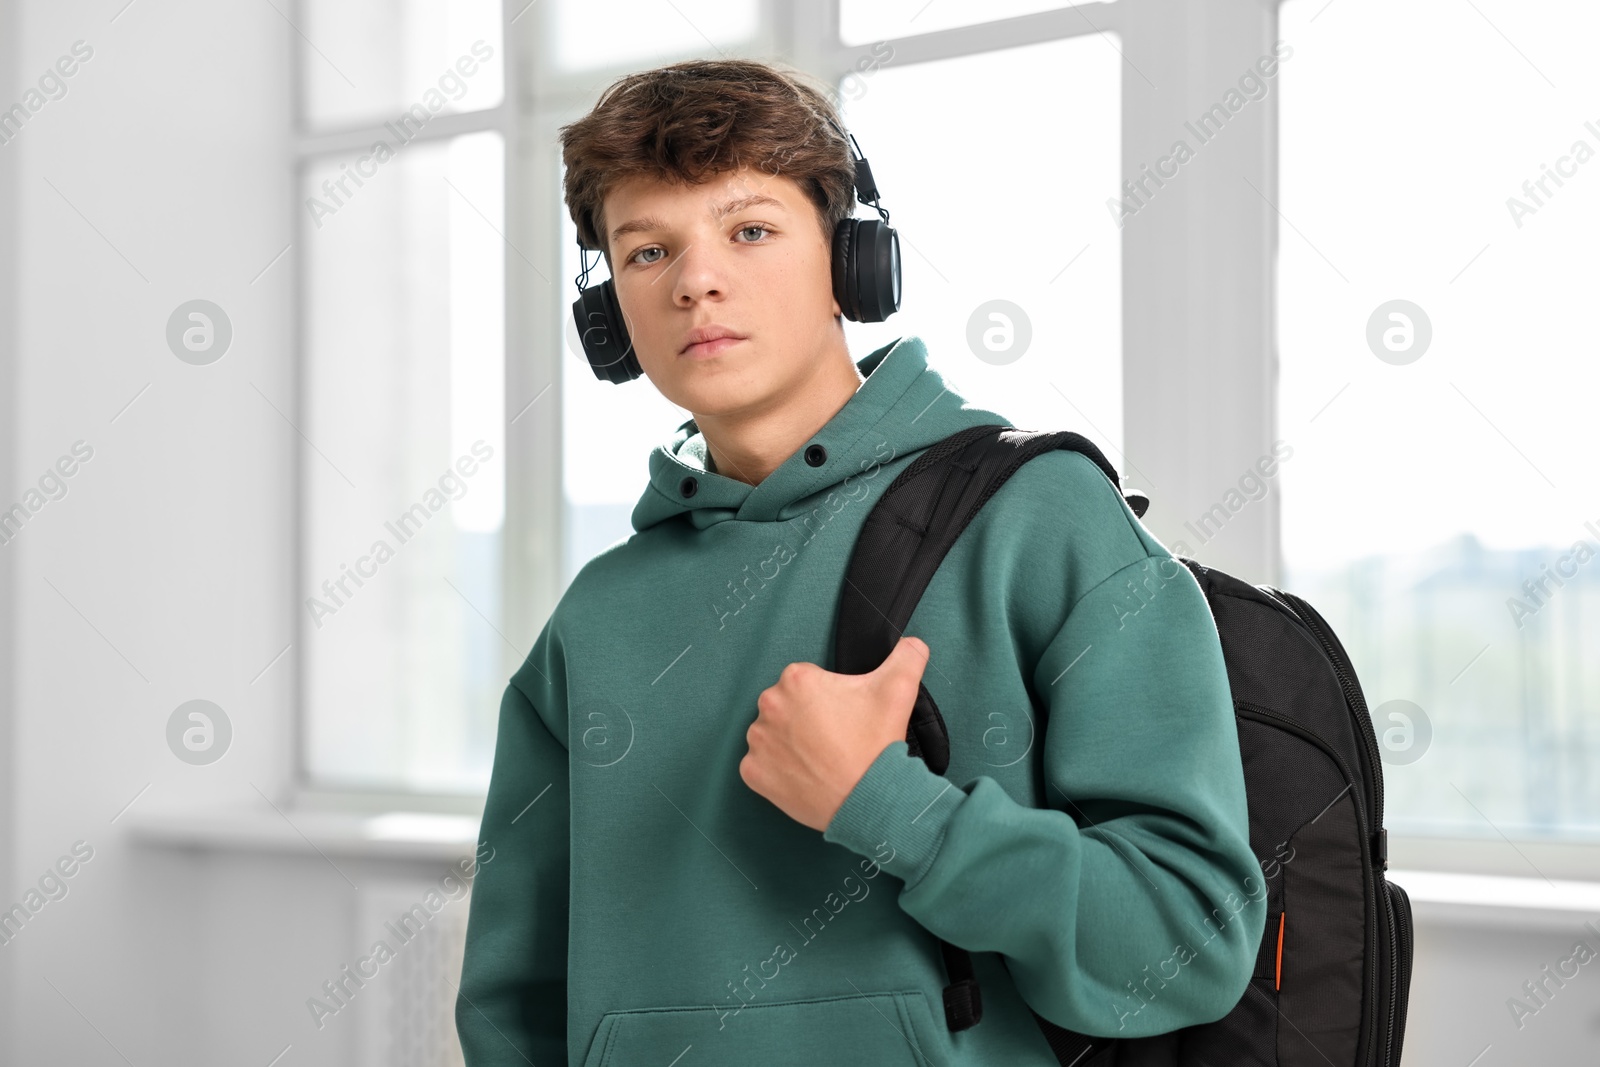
(1503, 661)
(1442, 508)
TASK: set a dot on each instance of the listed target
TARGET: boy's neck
(751, 445)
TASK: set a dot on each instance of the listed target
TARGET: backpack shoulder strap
(917, 519)
(902, 542)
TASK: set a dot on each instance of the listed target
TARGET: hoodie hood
(903, 406)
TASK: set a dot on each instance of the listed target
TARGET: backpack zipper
(1369, 872)
(1313, 623)
(1402, 974)
(1255, 711)
(1345, 670)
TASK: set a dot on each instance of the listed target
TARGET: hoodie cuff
(897, 814)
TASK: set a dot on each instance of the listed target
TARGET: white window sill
(1453, 898)
(403, 835)
(1448, 897)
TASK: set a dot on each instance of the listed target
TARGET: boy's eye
(743, 230)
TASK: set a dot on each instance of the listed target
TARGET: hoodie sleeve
(1131, 903)
(511, 1007)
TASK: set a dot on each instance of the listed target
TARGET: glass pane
(1012, 262)
(1436, 285)
(861, 21)
(403, 379)
(634, 32)
(398, 61)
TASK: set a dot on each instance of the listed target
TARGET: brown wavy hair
(687, 122)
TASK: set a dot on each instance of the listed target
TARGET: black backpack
(1304, 731)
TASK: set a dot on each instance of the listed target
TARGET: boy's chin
(721, 394)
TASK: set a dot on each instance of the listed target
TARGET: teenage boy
(694, 817)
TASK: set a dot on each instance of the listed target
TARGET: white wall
(164, 575)
(1467, 973)
(8, 362)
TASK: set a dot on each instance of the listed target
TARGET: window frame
(1198, 279)
(1162, 424)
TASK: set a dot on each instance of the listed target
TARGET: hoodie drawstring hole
(816, 455)
(688, 486)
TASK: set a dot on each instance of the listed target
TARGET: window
(1437, 381)
(1012, 264)
(420, 262)
(861, 21)
(402, 372)
(365, 61)
(436, 304)
(644, 33)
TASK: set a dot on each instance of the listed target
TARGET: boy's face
(762, 270)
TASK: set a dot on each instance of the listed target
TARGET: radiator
(407, 1011)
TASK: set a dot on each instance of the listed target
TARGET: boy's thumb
(909, 655)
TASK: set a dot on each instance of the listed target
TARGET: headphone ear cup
(876, 251)
(844, 268)
(866, 269)
(604, 334)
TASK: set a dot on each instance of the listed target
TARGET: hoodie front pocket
(887, 1029)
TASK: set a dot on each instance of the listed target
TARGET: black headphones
(866, 283)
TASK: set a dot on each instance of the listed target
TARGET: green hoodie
(646, 907)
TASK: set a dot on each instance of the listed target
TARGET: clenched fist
(816, 732)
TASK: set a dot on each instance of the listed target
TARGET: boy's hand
(817, 732)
